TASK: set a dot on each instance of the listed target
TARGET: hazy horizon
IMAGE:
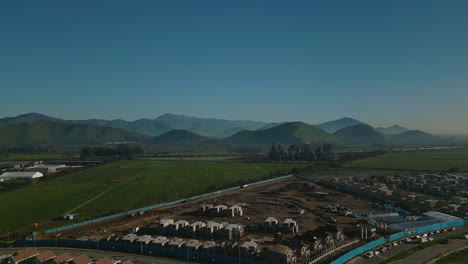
(380, 62)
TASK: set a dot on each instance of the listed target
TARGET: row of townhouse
(209, 230)
(221, 210)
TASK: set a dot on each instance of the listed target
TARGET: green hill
(360, 134)
(50, 132)
(26, 118)
(414, 137)
(289, 133)
(180, 137)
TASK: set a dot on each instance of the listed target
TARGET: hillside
(26, 118)
(143, 126)
(393, 130)
(360, 134)
(207, 126)
(180, 137)
(414, 137)
(289, 133)
(333, 126)
(50, 132)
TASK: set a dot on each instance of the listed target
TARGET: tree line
(300, 153)
(121, 151)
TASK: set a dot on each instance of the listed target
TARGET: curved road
(404, 247)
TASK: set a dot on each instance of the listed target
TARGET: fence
(147, 250)
(364, 248)
(97, 220)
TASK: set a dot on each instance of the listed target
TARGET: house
(231, 231)
(459, 200)
(211, 228)
(234, 210)
(270, 224)
(218, 210)
(160, 241)
(194, 228)
(204, 209)
(22, 255)
(45, 169)
(279, 254)
(44, 257)
(250, 249)
(82, 259)
(20, 175)
(290, 226)
(300, 211)
(144, 240)
(63, 258)
(104, 260)
(210, 247)
(192, 245)
(175, 228)
(175, 243)
(164, 224)
(130, 238)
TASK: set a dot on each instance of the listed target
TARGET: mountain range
(35, 128)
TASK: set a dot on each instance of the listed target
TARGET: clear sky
(382, 62)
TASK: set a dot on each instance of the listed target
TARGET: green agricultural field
(12, 157)
(133, 184)
(440, 160)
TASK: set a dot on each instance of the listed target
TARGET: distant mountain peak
(393, 130)
(335, 125)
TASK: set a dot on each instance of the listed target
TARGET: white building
(20, 175)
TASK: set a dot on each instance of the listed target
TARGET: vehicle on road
(369, 254)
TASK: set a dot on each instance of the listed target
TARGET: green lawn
(455, 258)
(441, 160)
(18, 156)
(135, 184)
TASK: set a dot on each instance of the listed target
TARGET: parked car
(452, 229)
(382, 249)
(389, 246)
(424, 235)
(376, 252)
(407, 240)
(430, 238)
(369, 254)
(395, 244)
(437, 232)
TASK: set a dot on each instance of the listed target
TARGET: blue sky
(382, 62)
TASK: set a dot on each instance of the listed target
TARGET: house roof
(82, 259)
(46, 255)
(193, 243)
(25, 254)
(64, 257)
(104, 260)
(160, 240)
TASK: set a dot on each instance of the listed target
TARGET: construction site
(288, 218)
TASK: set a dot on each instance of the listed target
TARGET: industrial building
(45, 169)
(20, 175)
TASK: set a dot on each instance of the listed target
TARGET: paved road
(403, 247)
(100, 254)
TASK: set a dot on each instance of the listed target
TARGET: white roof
(271, 219)
(169, 220)
(160, 240)
(289, 220)
(24, 174)
(130, 237)
(145, 238)
(193, 243)
(209, 244)
(441, 216)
